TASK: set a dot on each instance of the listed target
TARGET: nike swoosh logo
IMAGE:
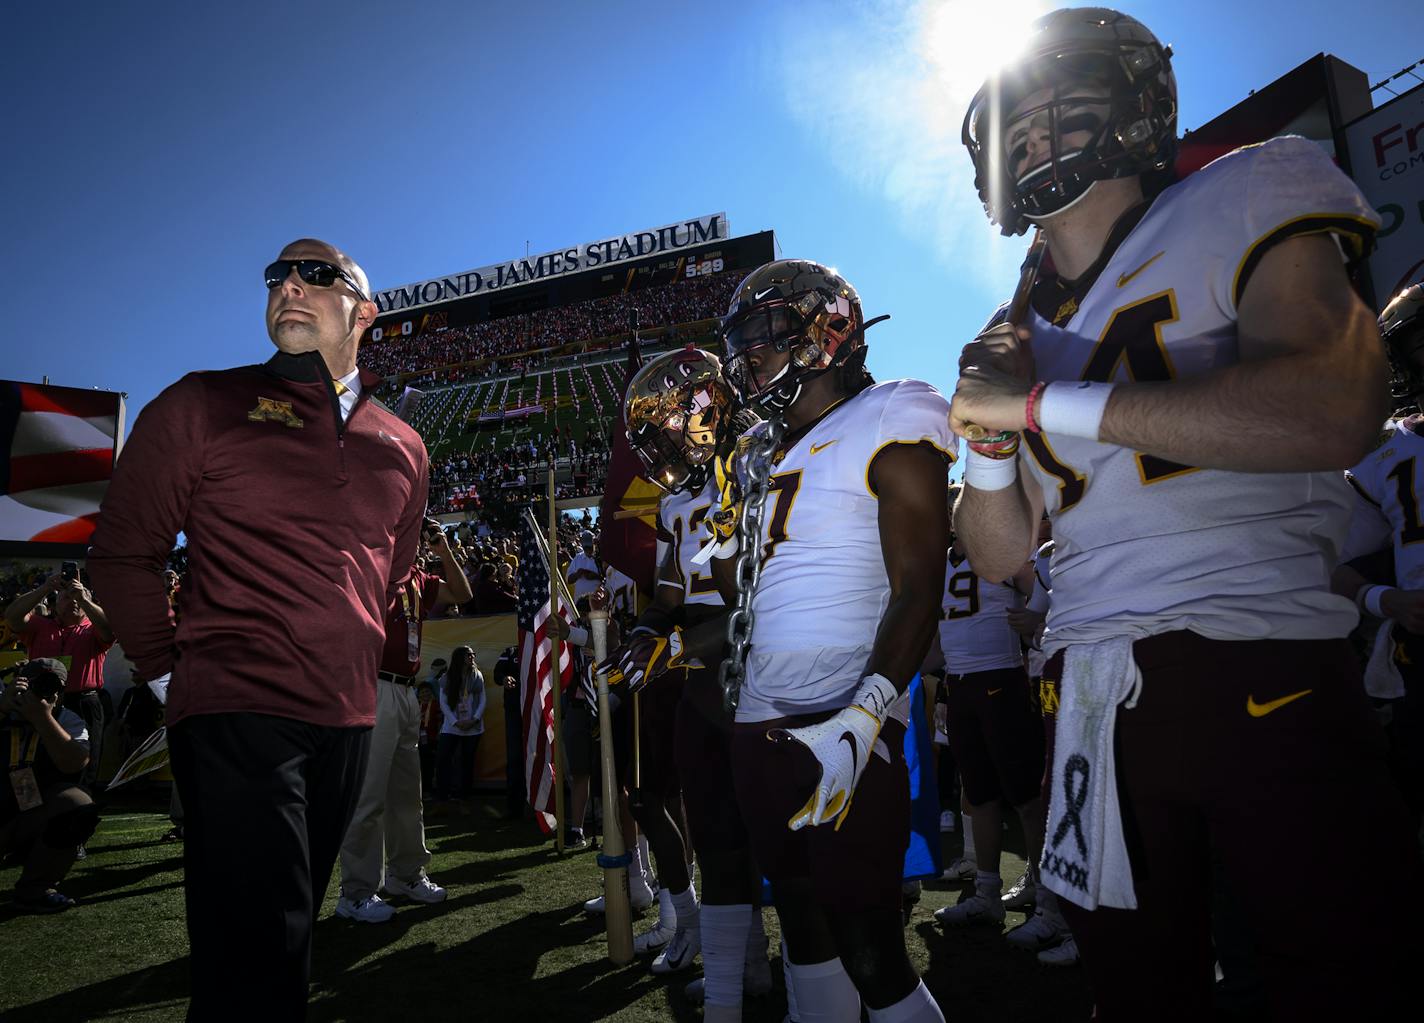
(993, 691)
(822, 447)
(849, 740)
(762, 294)
(1260, 710)
(1123, 279)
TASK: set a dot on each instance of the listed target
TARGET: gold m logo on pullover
(270, 410)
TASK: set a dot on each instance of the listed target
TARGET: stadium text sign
(1387, 159)
(604, 252)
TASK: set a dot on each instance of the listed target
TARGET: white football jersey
(1146, 546)
(1387, 484)
(680, 530)
(974, 631)
(823, 585)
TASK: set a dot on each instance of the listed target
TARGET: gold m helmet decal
(270, 410)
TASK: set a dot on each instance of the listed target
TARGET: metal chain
(759, 463)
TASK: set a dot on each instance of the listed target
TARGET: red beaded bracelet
(1033, 394)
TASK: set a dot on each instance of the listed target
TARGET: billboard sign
(1387, 162)
(669, 238)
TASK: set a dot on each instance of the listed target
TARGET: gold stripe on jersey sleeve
(1357, 232)
(876, 453)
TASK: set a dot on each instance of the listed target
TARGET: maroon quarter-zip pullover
(300, 529)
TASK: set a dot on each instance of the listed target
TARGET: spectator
(79, 637)
(388, 821)
(493, 595)
(45, 815)
(294, 556)
(429, 733)
(584, 575)
(462, 703)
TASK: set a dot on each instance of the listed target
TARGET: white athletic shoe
(974, 910)
(1021, 893)
(946, 820)
(1038, 932)
(422, 889)
(960, 870)
(370, 910)
(680, 951)
(654, 939)
(640, 897)
(1065, 954)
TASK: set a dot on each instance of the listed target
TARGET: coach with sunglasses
(301, 498)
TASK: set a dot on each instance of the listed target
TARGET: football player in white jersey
(679, 413)
(994, 732)
(852, 548)
(1193, 373)
(1387, 520)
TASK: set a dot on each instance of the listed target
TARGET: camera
(47, 685)
(69, 571)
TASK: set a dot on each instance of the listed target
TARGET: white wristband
(984, 473)
(1074, 409)
(1370, 600)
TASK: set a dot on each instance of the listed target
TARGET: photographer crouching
(44, 814)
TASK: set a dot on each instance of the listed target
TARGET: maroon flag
(629, 540)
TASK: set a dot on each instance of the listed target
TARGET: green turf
(511, 942)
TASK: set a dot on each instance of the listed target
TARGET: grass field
(510, 943)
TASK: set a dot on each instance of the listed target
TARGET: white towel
(1382, 678)
(1084, 854)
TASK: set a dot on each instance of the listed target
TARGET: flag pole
(556, 577)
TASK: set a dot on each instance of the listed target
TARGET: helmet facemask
(818, 331)
(1130, 131)
(677, 410)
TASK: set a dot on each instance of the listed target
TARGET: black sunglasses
(311, 271)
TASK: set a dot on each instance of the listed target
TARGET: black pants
(91, 705)
(455, 766)
(267, 802)
(514, 784)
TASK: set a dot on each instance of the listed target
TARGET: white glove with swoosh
(842, 744)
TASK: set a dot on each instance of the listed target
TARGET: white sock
(724, 950)
(968, 828)
(643, 859)
(791, 1012)
(684, 904)
(988, 884)
(668, 916)
(916, 1007)
(825, 993)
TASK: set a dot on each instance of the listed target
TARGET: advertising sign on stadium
(1387, 159)
(588, 256)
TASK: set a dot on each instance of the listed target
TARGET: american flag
(58, 454)
(536, 695)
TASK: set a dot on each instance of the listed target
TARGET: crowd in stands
(661, 305)
(497, 484)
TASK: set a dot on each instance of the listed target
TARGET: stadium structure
(505, 368)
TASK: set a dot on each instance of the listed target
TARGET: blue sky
(162, 153)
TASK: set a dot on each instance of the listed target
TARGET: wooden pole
(618, 915)
(556, 577)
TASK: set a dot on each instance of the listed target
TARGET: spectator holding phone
(78, 637)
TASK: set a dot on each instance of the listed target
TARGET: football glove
(644, 657)
(843, 745)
